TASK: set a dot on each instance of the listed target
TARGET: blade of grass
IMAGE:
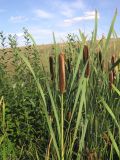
(81, 142)
(56, 61)
(114, 143)
(96, 27)
(115, 89)
(111, 113)
(109, 34)
(76, 67)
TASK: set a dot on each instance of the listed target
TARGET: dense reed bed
(72, 110)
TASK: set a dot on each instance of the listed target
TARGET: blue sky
(41, 18)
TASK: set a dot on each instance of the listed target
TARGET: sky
(43, 17)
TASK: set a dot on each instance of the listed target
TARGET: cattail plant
(112, 63)
(100, 57)
(85, 54)
(62, 90)
(113, 59)
(69, 114)
(87, 71)
(51, 63)
(101, 62)
(85, 60)
(62, 73)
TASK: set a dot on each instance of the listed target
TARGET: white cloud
(42, 14)
(89, 15)
(69, 8)
(16, 19)
(20, 34)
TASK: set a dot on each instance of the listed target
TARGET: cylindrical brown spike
(100, 57)
(85, 54)
(69, 114)
(62, 73)
(112, 62)
(87, 71)
(51, 67)
(111, 78)
(113, 59)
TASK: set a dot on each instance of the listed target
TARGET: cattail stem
(62, 129)
(85, 54)
(113, 70)
(87, 71)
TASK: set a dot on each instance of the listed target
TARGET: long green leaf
(76, 67)
(116, 90)
(111, 113)
(96, 26)
(109, 34)
(114, 143)
(81, 142)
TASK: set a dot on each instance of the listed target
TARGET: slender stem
(62, 129)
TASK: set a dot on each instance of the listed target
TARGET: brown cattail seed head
(112, 62)
(100, 57)
(113, 59)
(69, 114)
(87, 71)
(51, 67)
(62, 73)
(85, 54)
(111, 79)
